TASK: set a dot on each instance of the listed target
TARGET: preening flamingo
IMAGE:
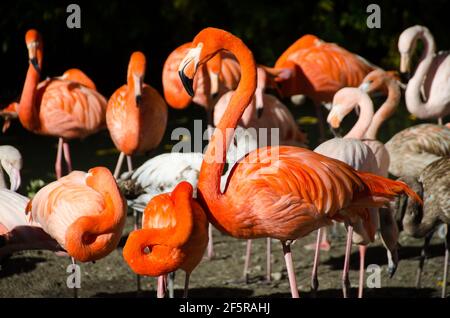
(414, 148)
(175, 232)
(279, 192)
(58, 107)
(344, 102)
(16, 231)
(428, 92)
(318, 69)
(84, 212)
(136, 115)
(433, 186)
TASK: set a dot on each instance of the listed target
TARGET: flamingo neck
(386, 110)
(414, 102)
(28, 114)
(365, 117)
(215, 156)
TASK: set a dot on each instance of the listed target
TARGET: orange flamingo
(136, 115)
(279, 192)
(175, 230)
(58, 106)
(318, 70)
(84, 212)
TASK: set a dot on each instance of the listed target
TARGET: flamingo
(84, 212)
(318, 69)
(278, 192)
(16, 232)
(414, 148)
(433, 186)
(428, 91)
(136, 115)
(58, 107)
(271, 113)
(375, 160)
(175, 231)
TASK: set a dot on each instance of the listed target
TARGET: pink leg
(269, 259)
(186, 285)
(314, 280)
(362, 269)
(58, 168)
(129, 164)
(248, 252)
(66, 151)
(119, 165)
(210, 242)
(348, 249)
(290, 269)
(161, 291)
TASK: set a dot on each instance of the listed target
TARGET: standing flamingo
(414, 148)
(136, 115)
(344, 102)
(428, 92)
(318, 70)
(279, 192)
(175, 231)
(58, 107)
(433, 185)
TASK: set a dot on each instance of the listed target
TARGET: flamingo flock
(243, 186)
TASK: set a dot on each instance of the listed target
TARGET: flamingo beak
(32, 55)
(405, 63)
(188, 67)
(364, 87)
(138, 89)
(14, 176)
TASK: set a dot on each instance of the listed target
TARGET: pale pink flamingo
(279, 192)
(428, 91)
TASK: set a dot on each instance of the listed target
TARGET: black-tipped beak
(405, 77)
(259, 111)
(139, 100)
(35, 64)
(188, 83)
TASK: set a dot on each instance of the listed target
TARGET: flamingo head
(374, 81)
(136, 74)
(407, 44)
(206, 45)
(344, 101)
(34, 44)
(11, 161)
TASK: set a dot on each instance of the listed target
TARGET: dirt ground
(43, 274)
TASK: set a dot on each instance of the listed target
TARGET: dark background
(111, 30)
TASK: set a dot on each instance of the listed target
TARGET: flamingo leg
(440, 122)
(269, 259)
(423, 256)
(290, 269)
(75, 289)
(119, 165)
(186, 285)
(161, 291)
(171, 280)
(348, 249)
(447, 248)
(210, 251)
(314, 280)
(66, 151)
(248, 252)
(362, 269)
(129, 164)
(58, 167)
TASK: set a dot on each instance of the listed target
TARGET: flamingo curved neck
(28, 114)
(414, 102)
(365, 117)
(385, 111)
(214, 159)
